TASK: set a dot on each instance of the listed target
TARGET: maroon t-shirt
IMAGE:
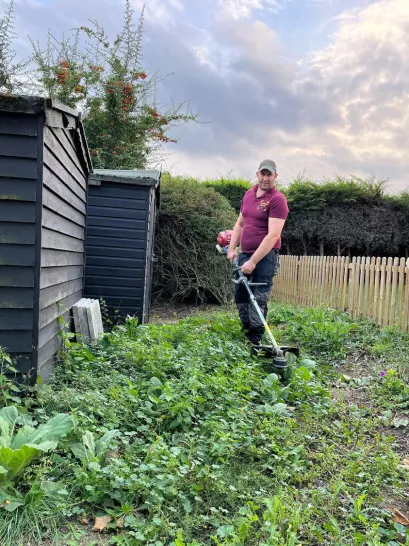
(256, 211)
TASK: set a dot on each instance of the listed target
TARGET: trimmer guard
(269, 351)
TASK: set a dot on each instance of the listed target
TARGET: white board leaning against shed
(87, 319)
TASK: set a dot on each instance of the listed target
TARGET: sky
(319, 86)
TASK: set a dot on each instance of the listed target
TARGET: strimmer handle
(242, 278)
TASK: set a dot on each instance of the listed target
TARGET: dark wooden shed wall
(44, 167)
(62, 238)
(19, 150)
(116, 245)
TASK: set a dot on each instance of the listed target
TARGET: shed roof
(56, 114)
(133, 177)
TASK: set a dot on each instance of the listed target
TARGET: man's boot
(255, 335)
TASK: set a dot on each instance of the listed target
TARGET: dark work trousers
(264, 272)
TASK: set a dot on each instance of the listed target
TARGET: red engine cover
(224, 237)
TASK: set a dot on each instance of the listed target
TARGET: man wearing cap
(263, 213)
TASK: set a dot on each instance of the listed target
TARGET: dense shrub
(232, 190)
(188, 267)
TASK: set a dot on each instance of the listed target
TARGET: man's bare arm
(275, 227)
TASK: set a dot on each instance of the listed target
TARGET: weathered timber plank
(12, 233)
(59, 224)
(17, 211)
(11, 167)
(56, 258)
(55, 146)
(51, 276)
(16, 319)
(55, 203)
(59, 188)
(18, 146)
(50, 313)
(53, 294)
(10, 124)
(16, 298)
(16, 342)
(52, 239)
(16, 189)
(16, 255)
(57, 168)
(16, 276)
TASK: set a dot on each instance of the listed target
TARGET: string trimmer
(278, 353)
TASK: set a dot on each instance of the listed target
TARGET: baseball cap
(269, 165)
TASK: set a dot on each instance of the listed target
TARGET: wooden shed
(121, 215)
(44, 168)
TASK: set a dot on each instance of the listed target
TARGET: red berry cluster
(62, 74)
(141, 75)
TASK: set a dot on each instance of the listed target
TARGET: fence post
(351, 287)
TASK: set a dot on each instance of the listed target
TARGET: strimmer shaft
(243, 280)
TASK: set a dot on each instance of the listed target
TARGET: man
(263, 213)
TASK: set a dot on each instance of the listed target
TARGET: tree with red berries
(107, 82)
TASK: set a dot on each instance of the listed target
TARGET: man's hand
(248, 267)
(231, 255)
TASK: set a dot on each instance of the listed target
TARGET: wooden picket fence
(364, 287)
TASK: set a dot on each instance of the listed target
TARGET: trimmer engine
(223, 240)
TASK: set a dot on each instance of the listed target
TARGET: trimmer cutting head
(277, 360)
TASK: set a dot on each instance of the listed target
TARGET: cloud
(163, 13)
(239, 9)
(238, 81)
(340, 109)
(364, 73)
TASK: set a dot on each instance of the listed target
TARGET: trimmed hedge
(189, 219)
(232, 190)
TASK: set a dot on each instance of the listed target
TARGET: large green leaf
(53, 430)
(79, 451)
(10, 415)
(92, 451)
(23, 436)
(8, 418)
(5, 436)
(89, 444)
(44, 446)
(15, 460)
(13, 506)
(102, 444)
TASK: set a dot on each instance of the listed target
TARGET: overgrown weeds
(182, 438)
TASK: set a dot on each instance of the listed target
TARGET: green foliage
(324, 332)
(105, 78)
(91, 451)
(18, 450)
(189, 220)
(9, 391)
(210, 448)
(233, 190)
(10, 71)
